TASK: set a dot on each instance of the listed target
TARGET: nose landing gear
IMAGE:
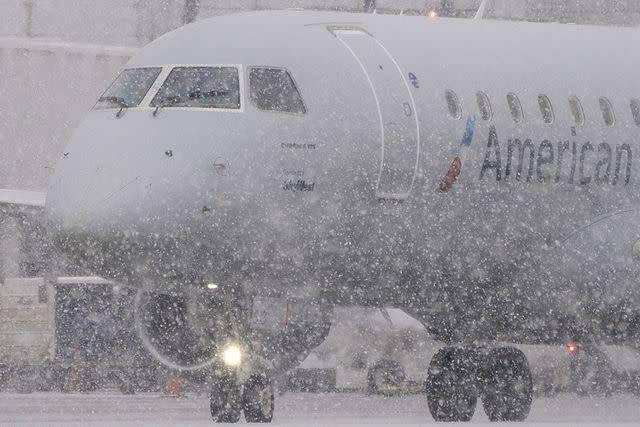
(458, 376)
(225, 399)
(257, 399)
(228, 398)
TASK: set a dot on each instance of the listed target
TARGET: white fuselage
(343, 201)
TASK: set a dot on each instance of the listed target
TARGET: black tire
(385, 372)
(451, 385)
(225, 402)
(258, 399)
(507, 385)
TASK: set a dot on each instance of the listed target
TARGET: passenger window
(516, 108)
(129, 88)
(607, 112)
(576, 110)
(273, 89)
(200, 87)
(453, 104)
(545, 108)
(635, 111)
(484, 105)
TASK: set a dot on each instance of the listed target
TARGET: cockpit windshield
(200, 87)
(129, 88)
(273, 89)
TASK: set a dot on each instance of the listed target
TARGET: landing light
(212, 286)
(232, 355)
(433, 14)
(572, 347)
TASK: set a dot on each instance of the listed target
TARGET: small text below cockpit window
(200, 87)
(129, 88)
(273, 89)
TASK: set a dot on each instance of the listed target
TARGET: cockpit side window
(129, 88)
(273, 89)
(200, 87)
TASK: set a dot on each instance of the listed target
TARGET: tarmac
(292, 409)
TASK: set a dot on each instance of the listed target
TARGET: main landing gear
(229, 398)
(501, 377)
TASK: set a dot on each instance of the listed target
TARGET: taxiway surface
(292, 409)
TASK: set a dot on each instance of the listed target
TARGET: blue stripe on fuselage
(467, 139)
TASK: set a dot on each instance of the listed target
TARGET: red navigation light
(433, 14)
(572, 347)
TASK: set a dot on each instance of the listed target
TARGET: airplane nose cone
(88, 199)
(103, 175)
(128, 182)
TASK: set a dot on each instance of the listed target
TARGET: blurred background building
(136, 22)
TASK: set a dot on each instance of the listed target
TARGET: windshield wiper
(118, 100)
(170, 101)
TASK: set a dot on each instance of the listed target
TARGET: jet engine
(192, 327)
(184, 329)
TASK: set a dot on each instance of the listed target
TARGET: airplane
(258, 169)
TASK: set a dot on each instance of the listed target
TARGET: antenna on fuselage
(481, 10)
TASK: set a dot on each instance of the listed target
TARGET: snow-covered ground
(107, 409)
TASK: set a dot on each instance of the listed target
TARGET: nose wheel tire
(258, 399)
(225, 401)
(451, 385)
(508, 386)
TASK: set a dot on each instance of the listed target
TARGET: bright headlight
(232, 355)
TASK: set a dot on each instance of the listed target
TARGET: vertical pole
(28, 18)
(369, 5)
(447, 7)
(138, 7)
(191, 10)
